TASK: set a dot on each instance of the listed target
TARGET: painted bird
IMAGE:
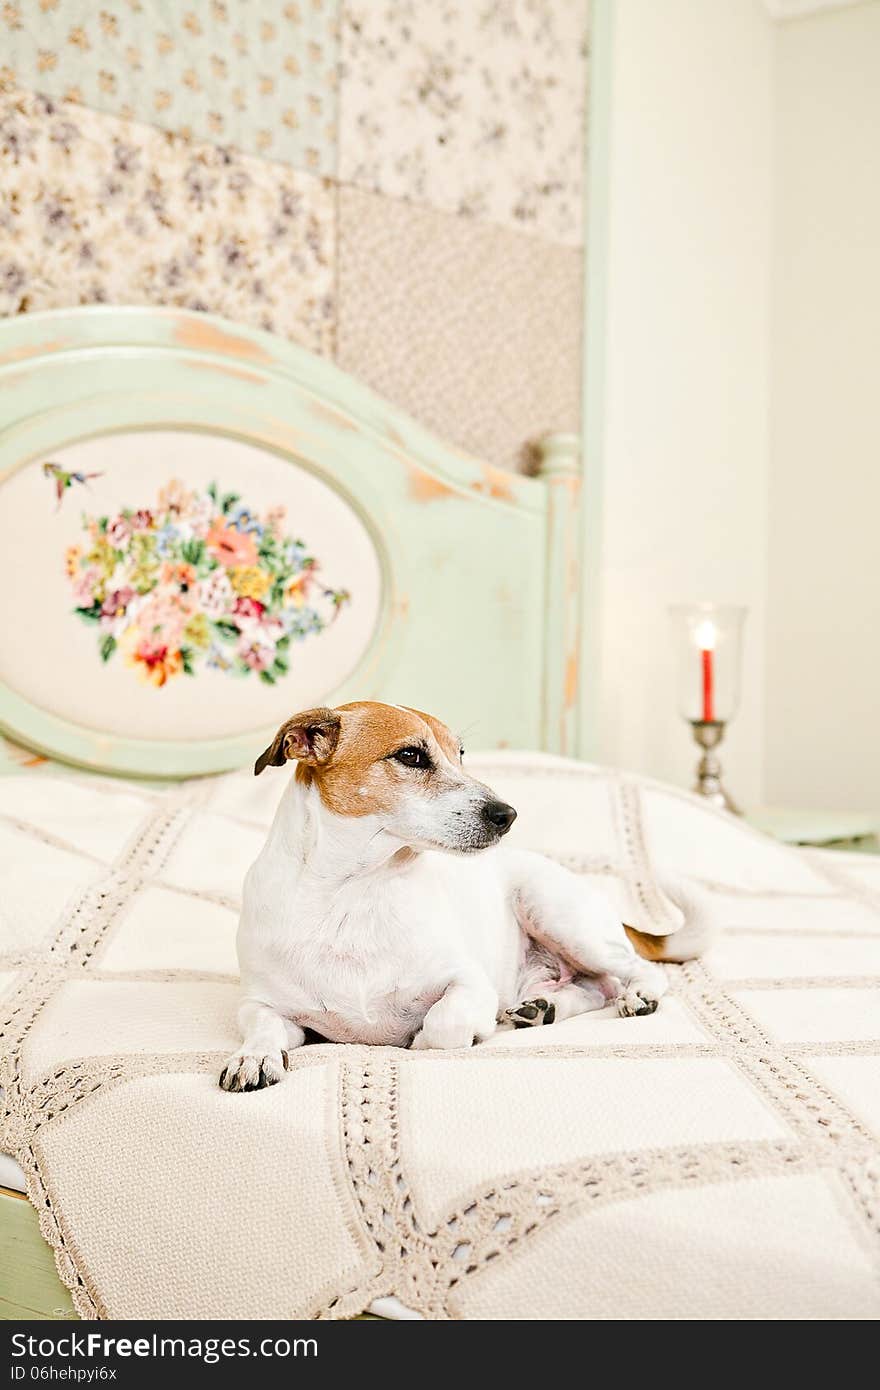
(64, 480)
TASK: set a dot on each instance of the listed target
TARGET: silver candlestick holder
(708, 646)
(708, 735)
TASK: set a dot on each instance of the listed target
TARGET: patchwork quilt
(716, 1160)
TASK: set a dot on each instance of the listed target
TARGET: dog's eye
(412, 757)
(461, 753)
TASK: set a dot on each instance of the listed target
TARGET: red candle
(708, 685)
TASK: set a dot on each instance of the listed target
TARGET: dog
(384, 908)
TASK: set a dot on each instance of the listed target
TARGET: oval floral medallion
(197, 579)
(181, 586)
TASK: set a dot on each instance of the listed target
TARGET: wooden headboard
(154, 627)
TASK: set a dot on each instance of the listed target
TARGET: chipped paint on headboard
(206, 527)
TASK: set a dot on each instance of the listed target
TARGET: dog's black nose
(499, 814)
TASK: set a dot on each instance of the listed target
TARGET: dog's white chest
(368, 990)
(354, 965)
(387, 1022)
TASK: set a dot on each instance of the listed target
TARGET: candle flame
(706, 635)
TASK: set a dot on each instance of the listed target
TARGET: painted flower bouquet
(197, 581)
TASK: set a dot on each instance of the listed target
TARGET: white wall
(823, 622)
(684, 514)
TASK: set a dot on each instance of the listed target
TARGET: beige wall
(686, 439)
(823, 622)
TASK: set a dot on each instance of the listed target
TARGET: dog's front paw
(248, 1071)
(443, 1036)
(531, 1013)
(635, 1003)
(461, 1018)
(450, 1029)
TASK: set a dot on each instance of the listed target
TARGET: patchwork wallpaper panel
(473, 329)
(257, 74)
(94, 209)
(473, 106)
(398, 183)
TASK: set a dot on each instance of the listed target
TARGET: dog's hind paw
(531, 1013)
(634, 1003)
(249, 1072)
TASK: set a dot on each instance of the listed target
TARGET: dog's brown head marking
(362, 755)
(368, 758)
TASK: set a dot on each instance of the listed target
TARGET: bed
(310, 544)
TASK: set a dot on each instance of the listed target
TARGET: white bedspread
(715, 1160)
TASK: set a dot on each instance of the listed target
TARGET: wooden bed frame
(480, 574)
(481, 578)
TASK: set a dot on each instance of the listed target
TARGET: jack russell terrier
(383, 908)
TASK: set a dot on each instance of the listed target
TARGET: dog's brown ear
(311, 737)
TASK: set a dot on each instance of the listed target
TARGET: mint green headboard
(478, 569)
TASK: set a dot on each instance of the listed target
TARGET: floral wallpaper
(316, 168)
(473, 106)
(260, 75)
(99, 210)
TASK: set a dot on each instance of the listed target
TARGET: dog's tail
(690, 940)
